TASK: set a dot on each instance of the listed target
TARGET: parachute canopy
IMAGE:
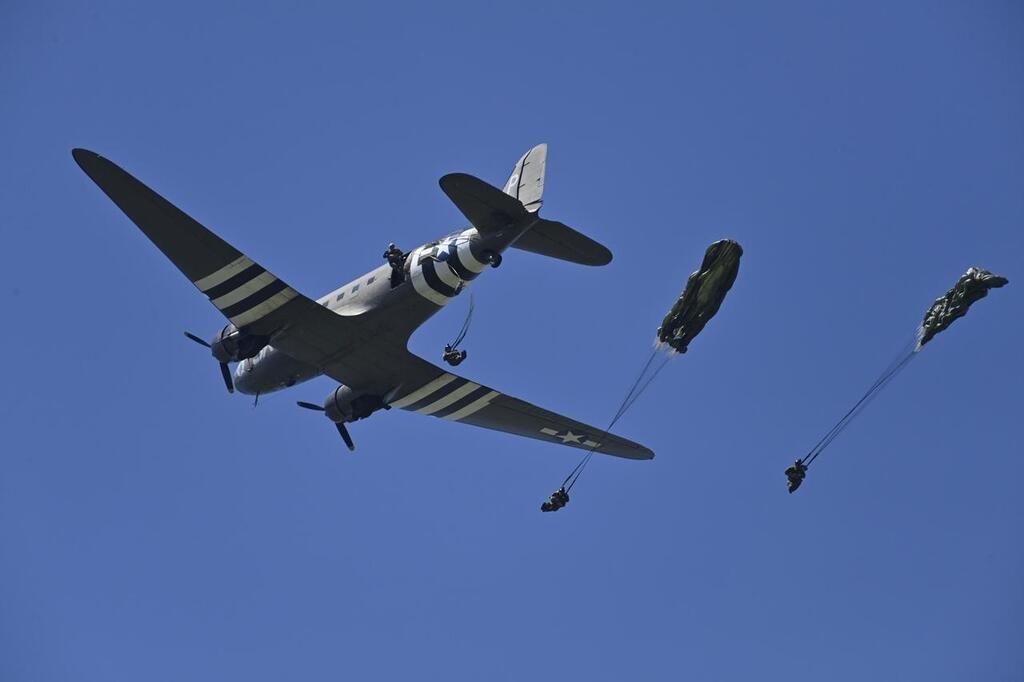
(705, 290)
(972, 286)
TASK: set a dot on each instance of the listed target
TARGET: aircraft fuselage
(434, 274)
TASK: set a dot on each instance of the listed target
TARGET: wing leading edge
(430, 390)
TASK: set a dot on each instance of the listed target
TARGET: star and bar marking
(570, 438)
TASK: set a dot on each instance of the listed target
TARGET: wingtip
(605, 258)
(632, 450)
(83, 156)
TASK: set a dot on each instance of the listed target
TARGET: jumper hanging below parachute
(795, 475)
(559, 499)
(452, 355)
(972, 286)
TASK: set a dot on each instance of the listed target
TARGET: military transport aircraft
(358, 334)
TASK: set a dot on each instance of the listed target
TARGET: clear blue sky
(865, 154)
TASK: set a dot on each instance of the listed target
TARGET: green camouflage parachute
(972, 286)
(705, 290)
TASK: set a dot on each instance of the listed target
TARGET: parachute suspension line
(881, 378)
(571, 479)
(631, 399)
(905, 355)
(854, 411)
(586, 458)
(865, 403)
(465, 325)
(638, 387)
(632, 390)
(654, 375)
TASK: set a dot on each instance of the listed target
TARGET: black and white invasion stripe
(448, 397)
(440, 271)
(244, 291)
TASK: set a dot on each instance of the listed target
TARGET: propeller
(342, 429)
(225, 372)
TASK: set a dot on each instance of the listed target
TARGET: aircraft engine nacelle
(231, 345)
(345, 405)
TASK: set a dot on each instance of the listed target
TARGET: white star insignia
(570, 437)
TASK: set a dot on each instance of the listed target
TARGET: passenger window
(355, 288)
(340, 296)
(370, 281)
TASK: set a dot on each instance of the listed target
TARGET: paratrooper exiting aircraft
(358, 334)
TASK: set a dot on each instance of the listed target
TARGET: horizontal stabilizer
(557, 240)
(486, 207)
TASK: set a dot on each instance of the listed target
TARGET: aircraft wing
(428, 389)
(252, 298)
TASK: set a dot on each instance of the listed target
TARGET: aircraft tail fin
(527, 180)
